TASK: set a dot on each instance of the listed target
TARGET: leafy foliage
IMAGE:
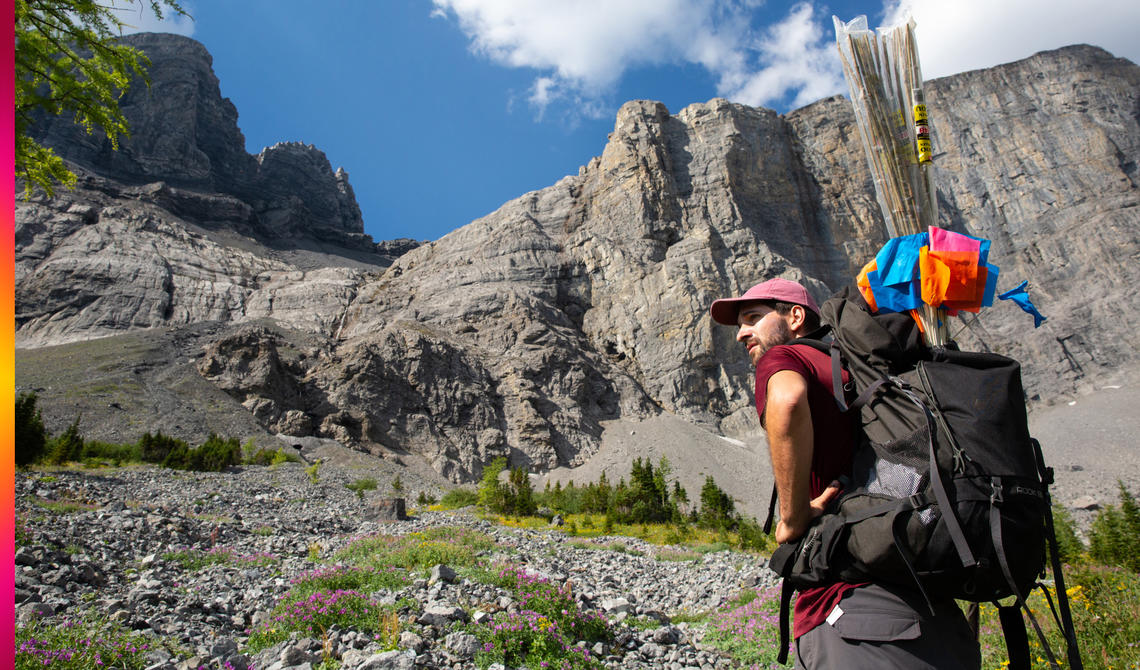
(66, 448)
(1069, 546)
(215, 455)
(67, 62)
(263, 456)
(361, 485)
(448, 545)
(197, 559)
(30, 436)
(155, 448)
(313, 471)
(1115, 535)
(750, 632)
(542, 633)
(79, 644)
(717, 507)
(346, 609)
(340, 577)
(649, 497)
(515, 496)
(457, 498)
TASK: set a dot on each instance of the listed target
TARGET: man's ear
(797, 317)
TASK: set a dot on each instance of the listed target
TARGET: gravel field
(110, 556)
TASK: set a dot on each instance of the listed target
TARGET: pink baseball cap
(724, 311)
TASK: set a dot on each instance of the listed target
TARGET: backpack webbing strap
(771, 511)
(837, 383)
(1066, 623)
(785, 617)
(952, 524)
(1016, 639)
(1072, 650)
(999, 549)
(897, 520)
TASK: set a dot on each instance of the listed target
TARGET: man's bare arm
(791, 440)
(787, 419)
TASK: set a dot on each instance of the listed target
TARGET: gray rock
(442, 573)
(1085, 503)
(412, 641)
(463, 645)
(33, 610)
(387, 509)
(388, 660)
(616, 606)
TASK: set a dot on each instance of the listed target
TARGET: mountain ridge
(527, 331)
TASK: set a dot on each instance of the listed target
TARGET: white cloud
(970, 34)
(758, 51)
(138, 18)
(796, 55)
(582, 48)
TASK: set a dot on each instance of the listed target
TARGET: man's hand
(790, 533)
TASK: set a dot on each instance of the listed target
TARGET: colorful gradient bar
(8, 344)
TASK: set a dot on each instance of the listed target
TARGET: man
(811, 443)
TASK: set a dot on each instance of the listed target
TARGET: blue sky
(443, 110)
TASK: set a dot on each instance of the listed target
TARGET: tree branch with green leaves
(68, 62)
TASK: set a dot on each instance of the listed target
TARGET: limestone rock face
(295, 187)
(186, 153)
(524, 332)
(182, 130)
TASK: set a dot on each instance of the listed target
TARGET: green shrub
(215, 455)
(66, 448)
(543, 632)
(263, 456)
(750, 631)
(452, 546)
(313, 471)
(424, 499)
(344, 578)
(457, 498)
(515, 496)
(1115, 535)
(752, 536)
(345, 609)
(30, 436)
(492, 492)
(196, 559)
(80, 645)
(717, 507)
(107, 451)
(1105, 603)
(360, 486)
(1069, 546)
(155, 448)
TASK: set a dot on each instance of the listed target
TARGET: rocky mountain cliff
(525, 332)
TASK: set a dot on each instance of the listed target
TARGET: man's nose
(741, 335)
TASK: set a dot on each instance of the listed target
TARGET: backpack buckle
(995, 491)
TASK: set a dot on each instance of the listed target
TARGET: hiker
(811, 442)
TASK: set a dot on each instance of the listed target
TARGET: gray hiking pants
(873, 628)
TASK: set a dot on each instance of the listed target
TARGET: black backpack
(948, 493)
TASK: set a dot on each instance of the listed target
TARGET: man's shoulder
(791, 352)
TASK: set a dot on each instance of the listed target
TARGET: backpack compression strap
(1066, 621)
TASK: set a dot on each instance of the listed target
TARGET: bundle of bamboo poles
(883, 73)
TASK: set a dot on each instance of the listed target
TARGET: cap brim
(725, 310)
